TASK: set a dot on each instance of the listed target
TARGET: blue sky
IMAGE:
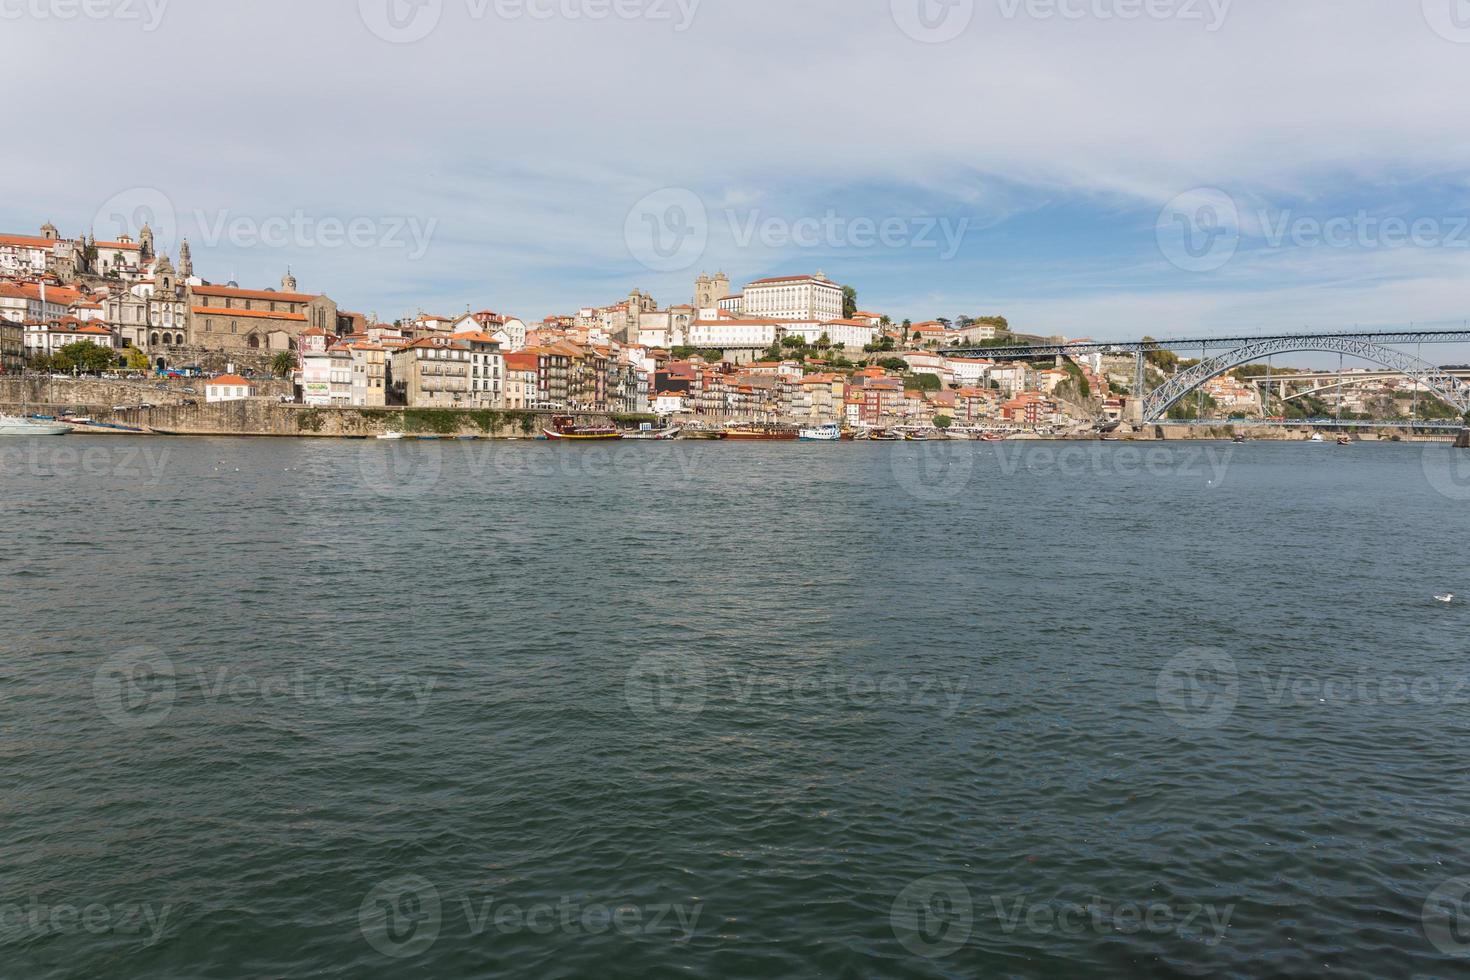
(499, 160)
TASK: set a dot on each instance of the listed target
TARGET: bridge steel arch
(1158, 402)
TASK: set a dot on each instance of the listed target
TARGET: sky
(1100, 168)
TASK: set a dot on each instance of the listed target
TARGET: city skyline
(985, 162)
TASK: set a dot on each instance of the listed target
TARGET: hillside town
(792, 349)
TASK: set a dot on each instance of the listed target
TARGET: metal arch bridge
(1368, 345)
(1158, 402)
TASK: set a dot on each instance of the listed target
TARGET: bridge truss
(1156, 404)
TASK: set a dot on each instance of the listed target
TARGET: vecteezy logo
(1199, 231)
(135, 688)
(667, 231)
(401, 21)
(933, 21)
(933, 471)
(1450, 19)
(1446, 917)
(1199, 688)
(1447, 469)
(933, 916)
(401, 917)
(662, 685)
(400, 469)
(127, 212)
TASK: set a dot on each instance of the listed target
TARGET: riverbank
(263, 417)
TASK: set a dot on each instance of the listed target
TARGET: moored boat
(831, 432)
(564, 427)
(653, 435)
(760, 433)
(14, 425)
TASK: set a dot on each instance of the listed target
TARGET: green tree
(922, 382)
(1164, 360)
(283, 364)
(824, 342)
(849, 302)
(86, 357)
(893, 364)
(943, 421)
(793, 342)
(135, 359)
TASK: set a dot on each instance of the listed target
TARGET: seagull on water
(1445, 598)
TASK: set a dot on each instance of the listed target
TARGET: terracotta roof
(248, 314)
(231, 379)
(26, 241)
(252, 294)
(762, 282)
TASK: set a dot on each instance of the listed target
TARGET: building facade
(793, 298)
(230, 318)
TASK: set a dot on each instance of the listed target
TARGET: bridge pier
(1463, 442)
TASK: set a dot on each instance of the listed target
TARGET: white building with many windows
(732, 332)
(793, 298)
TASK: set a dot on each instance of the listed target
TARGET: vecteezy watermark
(937, 21)
(933, 21)
(1286, 229)
(1446, 917)
(68, 462)
(302, 230)
(1199, 689)
(34, 918)
(664, 686)
(400, 469)
(1450, 19)
(934, 916)
(135, 688)
(937, 916)
(661, 685)
(934, 471)
(147, 14)
(407, 21)
(832, 231)
(128, 212)
(1209, 14)
(138, 688)
(402, 918)
(1447, 469)
(1196, 921)
(667, 230)
(1203, 688)
(1202, 230)
(1199, 231)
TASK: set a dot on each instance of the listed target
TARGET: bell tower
(288, 282)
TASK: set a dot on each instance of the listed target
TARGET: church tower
(49, 232)
(163, 277)
(288, 282)
(145, 241)
(186, 261)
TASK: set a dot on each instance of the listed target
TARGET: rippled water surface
(341, 709)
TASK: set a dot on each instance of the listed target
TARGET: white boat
(831, 432)
(14, 425)
(391, 435)
(1319, 438)
(654, 435)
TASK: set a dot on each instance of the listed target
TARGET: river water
(360, 709)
